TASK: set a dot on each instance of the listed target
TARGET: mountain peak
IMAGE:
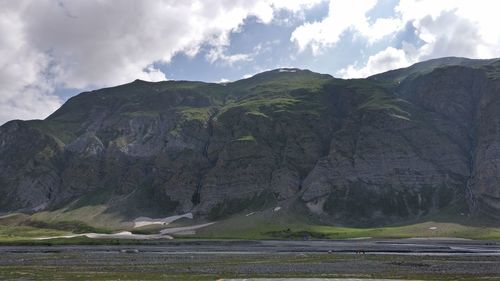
(398, 75)
(286, 137)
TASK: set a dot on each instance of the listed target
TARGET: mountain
(401, 145)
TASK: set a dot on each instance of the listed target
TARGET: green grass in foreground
(20, 229)
(276, 227)
(24, 233)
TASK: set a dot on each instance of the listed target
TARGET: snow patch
(119, 235)
(143, 221)
(185, 229)
(287, 70)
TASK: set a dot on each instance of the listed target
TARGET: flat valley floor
(403, 259)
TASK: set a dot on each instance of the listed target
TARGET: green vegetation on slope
(273, 225)
(62, 131)
(93, 217)
(280, 80)
(268, 224)
(196, 113)
(23, 233)
(247, 138)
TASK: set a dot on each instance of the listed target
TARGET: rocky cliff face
(398, 145)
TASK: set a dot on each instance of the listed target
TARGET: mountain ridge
(395, 146)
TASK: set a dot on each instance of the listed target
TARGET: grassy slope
(398, 75)
(12, 230)
(94, 216)
(274, 225)
(260, 225)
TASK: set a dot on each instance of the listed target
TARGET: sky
(51, 50)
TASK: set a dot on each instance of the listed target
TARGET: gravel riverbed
(211, 260)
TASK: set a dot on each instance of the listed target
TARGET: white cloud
(294, 5)
(223, 81)
(445, 28)
(390, 58)
(448, 34)
(24, 91)
(79, 44)
(219, 54)
(95, 43)
(153, 74)
(380, 28)
(343, 15)
(105, 43)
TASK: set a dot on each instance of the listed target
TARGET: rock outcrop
(395, 146)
